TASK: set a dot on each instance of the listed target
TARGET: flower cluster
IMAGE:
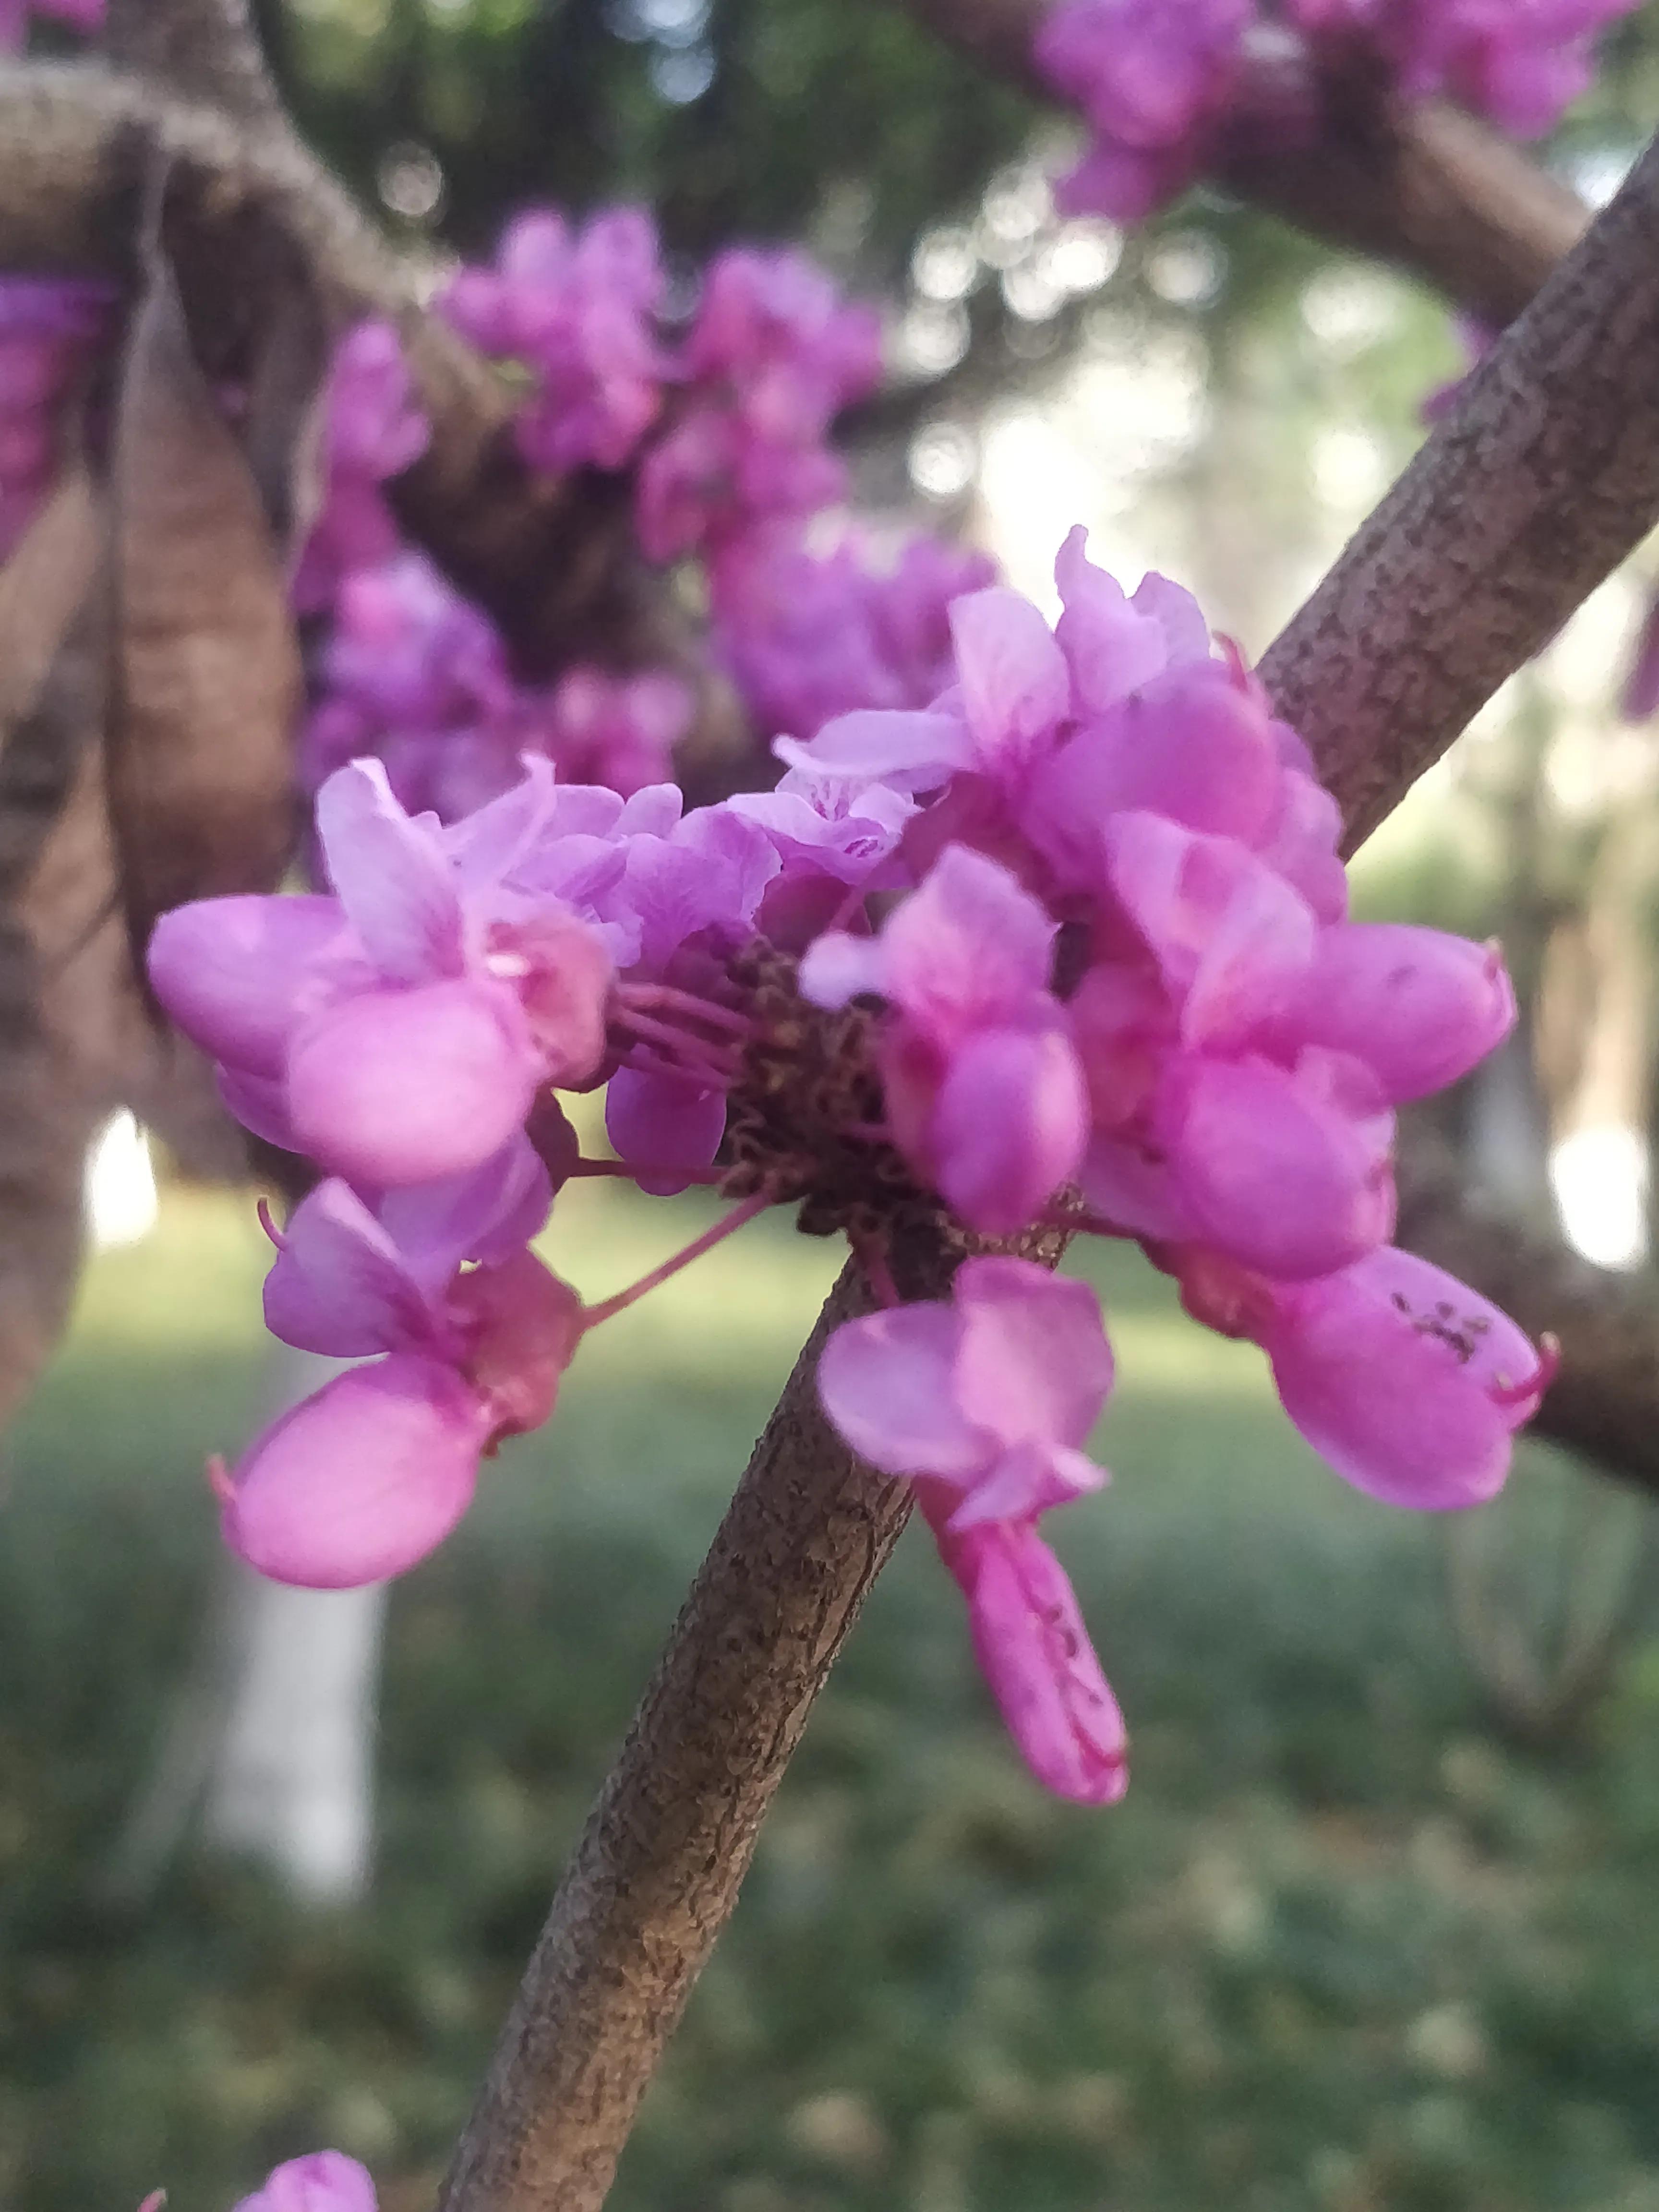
(727, 425)
(416, 675)
(726, 429)
(46, 324)
(1159, 79)
(806, 637)
(1067, 948)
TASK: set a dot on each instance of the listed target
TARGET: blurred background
(1378, 1927)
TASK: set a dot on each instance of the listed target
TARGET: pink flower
(373, 1471)
(577, 309)
(408, 1042)
(1034, 1651)
(1152, 77)
(984, 1091)
(984, 1403)
(375, 431)
(325, 2181)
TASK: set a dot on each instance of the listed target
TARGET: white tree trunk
(273, 1737)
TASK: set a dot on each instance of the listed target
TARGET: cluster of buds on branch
(1162, 82)
(1068, 947)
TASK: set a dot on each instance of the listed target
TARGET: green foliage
(1338, 1950)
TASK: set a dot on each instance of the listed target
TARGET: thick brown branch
(657, 1872)
(1543, 478)
(553, 560)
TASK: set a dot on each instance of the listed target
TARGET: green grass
(1341, 1950)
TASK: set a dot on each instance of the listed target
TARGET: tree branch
(553, 560)
(657, 1872)
(1420, 185)
(1544, 476)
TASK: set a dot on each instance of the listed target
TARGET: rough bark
(1544, 476)
(1421, 185)
(657, 1869)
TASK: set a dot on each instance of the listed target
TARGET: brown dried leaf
(207, 672)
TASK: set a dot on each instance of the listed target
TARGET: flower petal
(1009, 1125)
(1016, 686)
(662, 1122)
(237, 973)
(1033, 1363)
(390, 875)
(340, 1285)
(404, 1086)
(888, 1383)
(1031, 1642)
(361, 1480)
(1406, 1380)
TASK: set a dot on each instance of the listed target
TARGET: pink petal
(1016, 687)
(259, 1103)
(237, 973)
(1009, 1125)
(485, 1214)
(888, 1383)
(1230, 938)
(1280, 1174)
(1407, 1382)
(1130, 1183)
(663, 1122)
(916, 751)
(838, 967)
(1112, 647)
(1190, 748)
(1420, 1007)
(405, 1087)
(323, 2181)
(392, 877)
(340, 1285)
(1035, 1650)
(1026, 1480)
(522, 1325)
(361, 1480)
(1033, 1364)
(970, 949)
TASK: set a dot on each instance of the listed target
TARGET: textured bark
(1604, 1402)
(657, 1872)
(1534, 489)
(1422, 185)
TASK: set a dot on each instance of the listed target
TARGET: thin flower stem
(705, 1077)
(695, 1051)
(1081, 1223)
(722, 1228)
(667, 1000)
(631, 1170)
